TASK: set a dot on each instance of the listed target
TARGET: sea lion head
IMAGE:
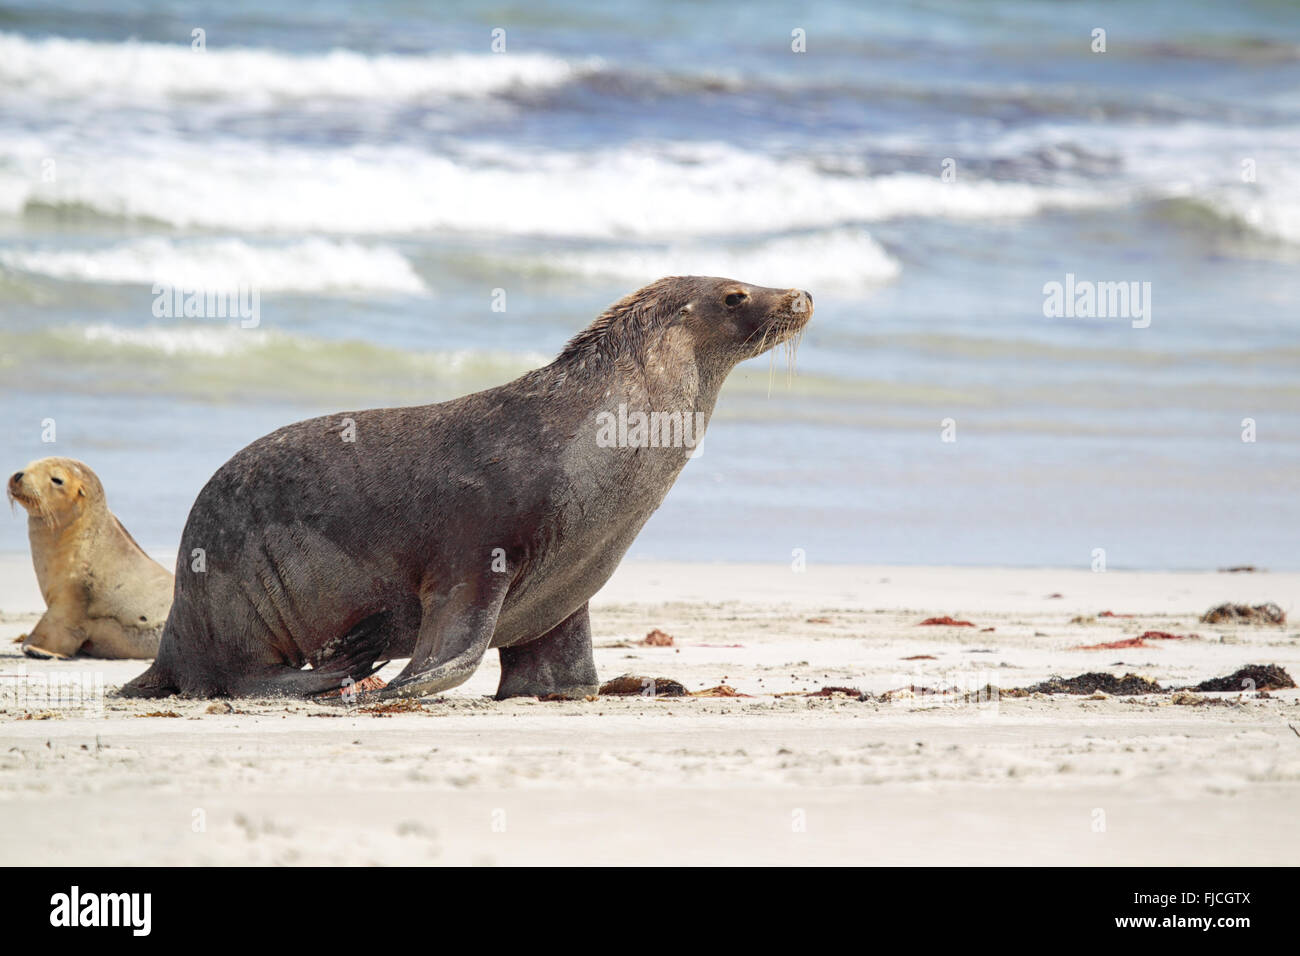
(55, 490)
(736, 320)
(721, 321)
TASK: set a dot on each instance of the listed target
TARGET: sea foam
(310, 265)
(144, 73)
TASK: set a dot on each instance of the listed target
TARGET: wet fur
(341, 555)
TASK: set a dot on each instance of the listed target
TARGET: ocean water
(377, 172)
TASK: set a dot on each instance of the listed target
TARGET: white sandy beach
(772, 777)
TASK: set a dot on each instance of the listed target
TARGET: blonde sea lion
(104, 596)
(436, 532)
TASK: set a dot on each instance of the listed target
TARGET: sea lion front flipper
(51, 638)
(455, 631)
(559, 663)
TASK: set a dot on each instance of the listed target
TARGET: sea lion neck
(664, 376)
(636, 357)
(57, 545)
(673, 376)
(623, 329)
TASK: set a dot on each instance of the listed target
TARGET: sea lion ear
(81, 491)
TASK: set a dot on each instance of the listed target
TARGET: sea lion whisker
(792, 356)
(770, 331)
(771, 360)
(749, 338)
(765, 329)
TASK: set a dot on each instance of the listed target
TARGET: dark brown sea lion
(104, 596)
(438, 531)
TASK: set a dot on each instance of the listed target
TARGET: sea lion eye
(735, 298)
(57, 481)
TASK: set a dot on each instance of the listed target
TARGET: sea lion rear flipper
(51, 638)
(302, 683)
(154, 682)
(354, 659)
(455, 631)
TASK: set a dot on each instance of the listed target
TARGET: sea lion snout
(787, 312)
(26, 483)
(15, 488)
(800, 305)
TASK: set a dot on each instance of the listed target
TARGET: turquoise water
(378, 173)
